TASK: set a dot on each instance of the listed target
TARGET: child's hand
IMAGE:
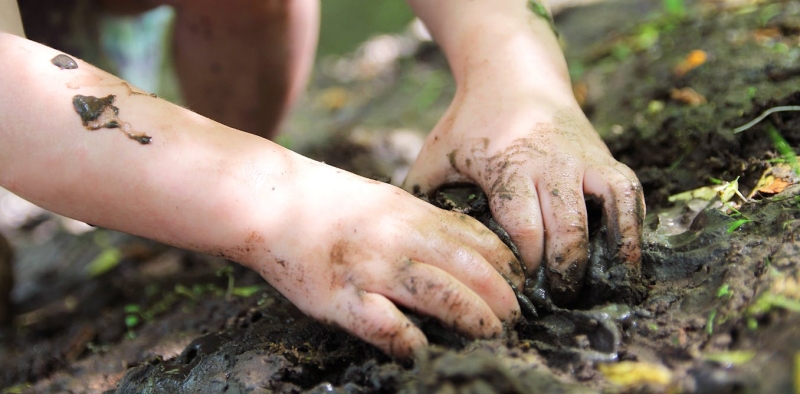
(515, 129)
(536, 161)
(350, 249)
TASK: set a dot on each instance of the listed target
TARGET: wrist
(250, 209)
(512, 59)
(517, 51)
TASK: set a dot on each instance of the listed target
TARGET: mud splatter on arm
(98, 113)
(64, 62)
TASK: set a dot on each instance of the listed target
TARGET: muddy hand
(348, 258)
(537, 163)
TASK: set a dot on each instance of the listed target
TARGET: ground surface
(721, 312)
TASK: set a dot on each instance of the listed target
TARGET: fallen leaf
(777, 186)
(632, 373)
(687, 96)
(725, 191)
(730, 358)
(703, 193)
(693, 60)
(774, 180)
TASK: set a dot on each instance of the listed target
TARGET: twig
(764, 115)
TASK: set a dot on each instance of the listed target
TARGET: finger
(564, 217)
(433, 292)
(520, 216)
(487, 245)
(474, 269)
(377, 320)
(623, 207)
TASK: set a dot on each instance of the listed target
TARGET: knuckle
(627, 179)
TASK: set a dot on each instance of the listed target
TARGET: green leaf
(184, 291)
(710, 321)
(131, 321)
(784, 302)
(730, 358)
(104, 262)
(783, 147)
(723, 290)
(737, 224)
(647, 37)
(132, 308)
(246, 291)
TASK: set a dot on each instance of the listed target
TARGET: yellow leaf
(631, 373)
(732, 357)
(725, 191)
(703, 193)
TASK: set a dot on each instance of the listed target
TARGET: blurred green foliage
(675, 7)
(347, 23)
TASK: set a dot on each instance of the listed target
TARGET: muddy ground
(721, 307)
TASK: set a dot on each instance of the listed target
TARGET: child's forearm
(502, 41)
(345, 257)
(191, 186)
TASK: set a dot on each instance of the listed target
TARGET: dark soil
(716, 310)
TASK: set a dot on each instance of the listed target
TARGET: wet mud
(715, 308)
(64, 62)
(99, 113)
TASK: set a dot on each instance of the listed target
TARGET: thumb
(432, 169)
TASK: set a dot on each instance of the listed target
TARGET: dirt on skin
(717, 309)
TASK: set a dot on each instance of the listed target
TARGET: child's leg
(244, 62)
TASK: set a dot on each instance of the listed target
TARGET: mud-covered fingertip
(566, 281)
(406, 345)
(630, 252)
(623, 217)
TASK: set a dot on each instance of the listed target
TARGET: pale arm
(342, 248)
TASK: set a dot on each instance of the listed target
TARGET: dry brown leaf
(687, 96)
(777, 186)
(775, 179)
